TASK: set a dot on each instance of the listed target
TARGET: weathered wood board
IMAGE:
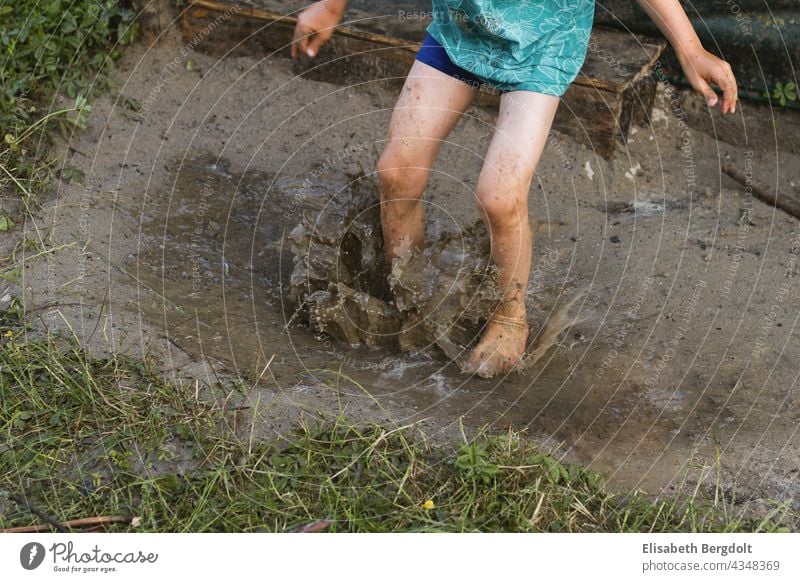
(614, 89)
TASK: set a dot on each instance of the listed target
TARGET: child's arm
(700, 66)
(315, 25)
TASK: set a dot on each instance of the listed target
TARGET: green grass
(83, 437)
(52, 48)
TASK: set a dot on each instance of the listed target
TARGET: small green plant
(783, 93)
(5, 221)
(473, 461)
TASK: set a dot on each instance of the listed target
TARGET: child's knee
(502, 192)
(400, 173)
(501, 206)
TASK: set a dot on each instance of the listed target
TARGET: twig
(763, 192)
(53, 522)
(85, 522)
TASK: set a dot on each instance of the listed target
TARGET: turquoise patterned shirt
(534, 45)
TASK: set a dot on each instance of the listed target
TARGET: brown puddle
(215, 247)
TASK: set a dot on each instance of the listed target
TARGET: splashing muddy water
(215, 252)
(439, 297)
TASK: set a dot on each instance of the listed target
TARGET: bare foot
(501, 347)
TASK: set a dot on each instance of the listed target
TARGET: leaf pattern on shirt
(527, 44)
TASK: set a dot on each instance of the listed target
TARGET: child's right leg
(428, 108)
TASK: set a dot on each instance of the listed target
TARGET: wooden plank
(613, 90)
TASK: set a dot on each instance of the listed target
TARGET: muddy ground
(174, 247)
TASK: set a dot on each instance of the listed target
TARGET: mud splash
(442, 295)
(339, 283)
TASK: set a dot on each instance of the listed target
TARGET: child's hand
(700, 66)
(315, 25)
(701, 69)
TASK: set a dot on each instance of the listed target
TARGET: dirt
(175, 246)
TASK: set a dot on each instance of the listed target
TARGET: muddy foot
(500, 349)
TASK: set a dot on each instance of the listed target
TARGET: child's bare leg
(522, 128)
(428, 108)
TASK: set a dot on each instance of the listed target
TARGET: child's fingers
(316, 41)
(300, 41)
(705, 89)
(722, 77)
(727, 82)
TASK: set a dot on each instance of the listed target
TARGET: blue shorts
(433, 54)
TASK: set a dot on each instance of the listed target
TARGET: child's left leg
(523, 125)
